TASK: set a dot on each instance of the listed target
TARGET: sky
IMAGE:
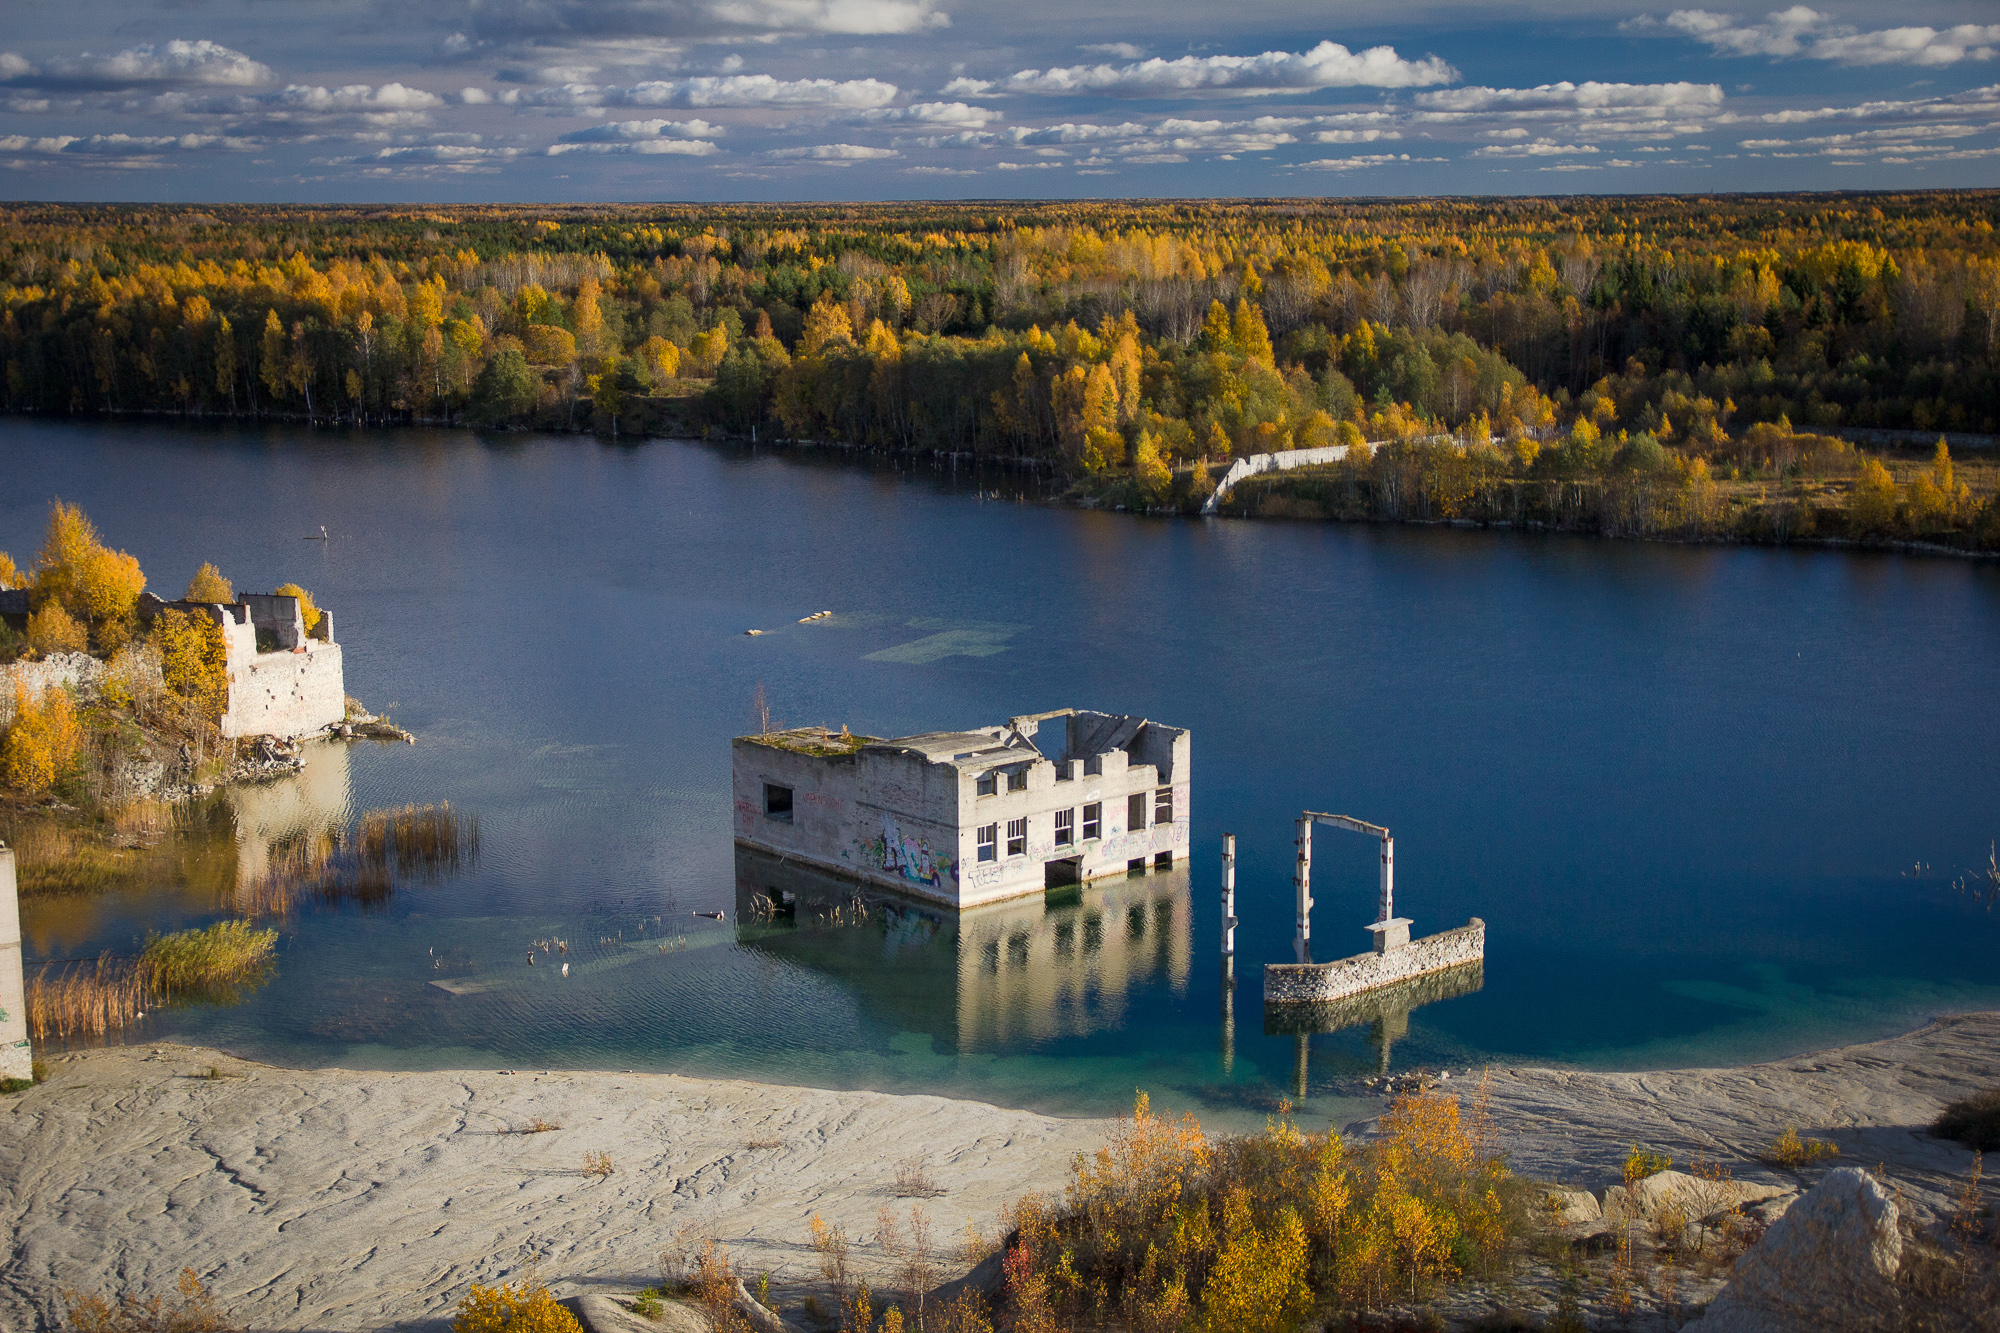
(597, 100)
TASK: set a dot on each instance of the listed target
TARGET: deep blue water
(1681, 785)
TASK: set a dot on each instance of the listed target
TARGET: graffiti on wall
(910, 857)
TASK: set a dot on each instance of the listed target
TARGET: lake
(1687, 788)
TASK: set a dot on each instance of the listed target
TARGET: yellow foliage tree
(208, 585)
(194, 661)
(587, 319)
(54, 630)
(661, 358)
(708, 349)
(1252, 338)
(1150, 470)
(1259, 1281)
(1871, 505)
(10, 574)
(826, 324)
(91, 581)
(548, 345)
(528, 1308)
(43, 744)
(308, 609)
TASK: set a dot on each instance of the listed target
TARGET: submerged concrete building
(969, 817)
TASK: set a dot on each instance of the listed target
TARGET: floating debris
(753, 633)
(817, 615)
(712, 916)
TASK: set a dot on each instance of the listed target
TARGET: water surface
(1681, 785)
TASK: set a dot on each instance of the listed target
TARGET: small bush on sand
(1640, 1163)
(526, 1308)
(1973, 1121)
(1791, 1152)
(195, 1312)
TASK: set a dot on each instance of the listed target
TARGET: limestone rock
(1694, 1198)
(1827, 1260)
(754, 1313)
(1573, 1207)
(602, 1314)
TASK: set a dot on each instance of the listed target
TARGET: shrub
(54, 630)
(1166, 1229)
(1871, 505)
(1640, 1163)
(1790, 1151)
(10, 573)
(505, 389)
(1973, 1121)
(208, 585)
(43, 745)
(12, 645)
(194, 661)
(308, 609)
(195, 1312)
(506, 1309)
(597, 1164)
(548, 345)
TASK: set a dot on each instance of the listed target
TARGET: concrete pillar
(1229, 895)
(1387, 907)
(1301, 1058)
(1228, 1016)
(1302, 887)
(17, 1057)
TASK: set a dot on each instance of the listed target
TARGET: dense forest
(1519, 356)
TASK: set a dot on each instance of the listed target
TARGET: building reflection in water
(1386, 1012)
(1065, 963)
(281, 823)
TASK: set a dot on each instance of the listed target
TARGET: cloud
(1367, 160)
(1121, 50)
(474, 96)
(964, 87)
(842, 153)
(136, 150)
(955, 115)
(1050, 166)
(645, 138)
(938, 171)
(1328, 65)
(731, 90)
(1356, 136)
(175, 64)
(566, 22)
(1539, 148)
(1972, 101)
(1808, 34)
(1589, 98)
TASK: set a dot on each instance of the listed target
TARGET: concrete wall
(1287, 983)
(290, 693)
(71, 669)
(17, 1057)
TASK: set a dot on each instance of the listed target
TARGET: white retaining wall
(1292, 982)
(17, 1057)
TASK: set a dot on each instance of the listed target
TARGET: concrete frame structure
(1395, 956)
(970, 817)
(282, 681)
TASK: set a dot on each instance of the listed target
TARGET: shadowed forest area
(1656, 366)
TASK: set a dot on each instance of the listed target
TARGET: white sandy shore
(337, 1200)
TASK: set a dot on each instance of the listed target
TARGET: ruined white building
(282, 681)
(968, 817)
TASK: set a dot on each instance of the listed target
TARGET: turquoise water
(1681, 785)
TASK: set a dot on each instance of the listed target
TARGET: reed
(428, 841)
(68, 1001)
(386, 850)
(216, 961)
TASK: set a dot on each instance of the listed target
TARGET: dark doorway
(1062, 874)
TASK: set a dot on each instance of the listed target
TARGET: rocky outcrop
(1692, 1198)
(1829, 1261)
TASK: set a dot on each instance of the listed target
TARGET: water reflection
(1386, 1012)
(1019, 973)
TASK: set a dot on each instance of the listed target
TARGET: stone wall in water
(1286, 983)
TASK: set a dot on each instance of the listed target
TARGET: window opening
(1135, 811)
(1017, 780)
(778, 803)
(1093, 822)
(987, 785)
(1065, 828)
(1163, 806)
(1017, 837)
(987, 835)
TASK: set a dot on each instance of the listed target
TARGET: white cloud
(730, 90)
(1356, 136)
(1539, 148)
(834, 152)
(474, 96)
(501, 22)
(1049, 166)
(1366, 160)
(162, 64)
(1586, 98)
(938, 171)
(955, 115)
(964, 87)
(645, 138)
(1808, 34)
(1328, 65)
(122, 145)
(1120, 50)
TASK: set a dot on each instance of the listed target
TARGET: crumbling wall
(286, 693)
(1293, 982)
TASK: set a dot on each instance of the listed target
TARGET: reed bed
(68, 1001)
(387, 849)
(71, 1001)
